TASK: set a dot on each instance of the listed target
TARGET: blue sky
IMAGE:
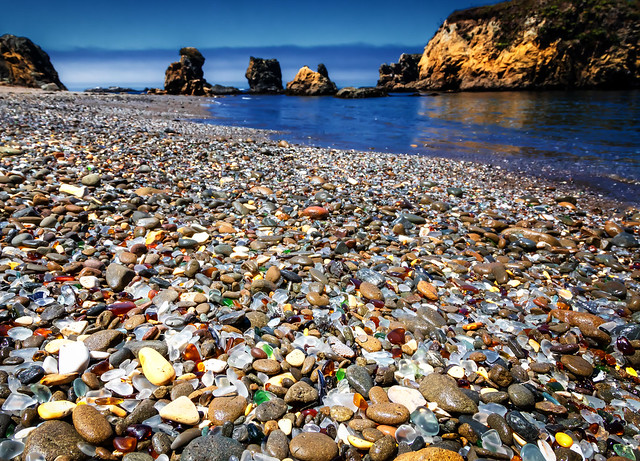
(103, 34)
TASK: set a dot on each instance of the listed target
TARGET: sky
(95, 41)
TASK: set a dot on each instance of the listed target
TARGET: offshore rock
(400, 76)
(186, 77)
(23, 63)
(310, 83)
(520, 45)
(264, 76)
(350, 92)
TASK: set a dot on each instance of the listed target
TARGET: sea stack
(524, 45)
(186, 76)
(23, 63)
(264, 76)
(310, 83)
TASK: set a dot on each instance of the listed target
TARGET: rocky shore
(173, 290)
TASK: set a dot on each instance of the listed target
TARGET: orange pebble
(387, 430)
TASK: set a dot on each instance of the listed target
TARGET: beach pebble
(181, 410)
(313, 446)
(91, 424)
(155, 367)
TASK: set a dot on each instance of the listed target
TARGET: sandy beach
(178, 290)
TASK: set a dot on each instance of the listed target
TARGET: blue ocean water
(590, 137)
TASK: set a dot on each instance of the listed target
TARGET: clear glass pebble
(531, 452)
(426, 421)
(491, 441)
(9, 449)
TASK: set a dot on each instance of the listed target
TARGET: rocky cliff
(310, 83)
(264, 76)
(23, 63)
(400, 76)
(536, 44)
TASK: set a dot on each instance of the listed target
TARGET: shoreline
(295, 301)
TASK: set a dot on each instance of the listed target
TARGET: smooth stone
(521, 396)
(445, 392)
(316, 299)
(500, 375)
(73, 357)
(31, 374)
(273, 409)
(91, 424)
(430, 454)
(118, 276)
(136, 346)
(388, 413)
(521, 426)
(359, 379)
(267, 366)
(370, 291)
(577, 365)
(161, 442)
(212, 448)
(497, 422)
(103, 340)
(226, 409)
(277, 444)
(340, 414)
(181, 410)
(137, 456)
(180, 389)
(52, 439)
(155, 367)
(301, 393)
(313, 446)
(185, 437)
(92, 179)
(57, 409)
(295, 358)
(427, 290)
(383, 449)
(143, 411)
(409, 398)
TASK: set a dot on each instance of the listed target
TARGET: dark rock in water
(212, 448)
(310, 83)
(351, 92)
(264, 76)
(398, 76)
(110, 90)
(187, 77)
(23, 63)
(222, 90)
(625, 240)
(53, 439)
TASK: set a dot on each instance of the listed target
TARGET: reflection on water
(585, 136)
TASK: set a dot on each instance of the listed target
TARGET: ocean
(587, 137)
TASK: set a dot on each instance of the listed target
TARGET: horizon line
(228, 47)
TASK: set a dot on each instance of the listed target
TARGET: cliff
(399, 76)
(23, 63)
(535, 44)
(310, 83)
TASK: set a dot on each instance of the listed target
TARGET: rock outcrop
(23, 63)
(264, 76)
(350, 92)
(186, 77)
(400, 76)
(543, 44)
(310, 83)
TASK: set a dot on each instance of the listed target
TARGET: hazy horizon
(348, 65)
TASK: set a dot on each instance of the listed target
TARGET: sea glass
(531, 452)
(426, 421)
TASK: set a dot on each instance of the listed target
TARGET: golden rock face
(472, 54)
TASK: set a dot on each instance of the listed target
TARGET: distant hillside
(535, 44)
